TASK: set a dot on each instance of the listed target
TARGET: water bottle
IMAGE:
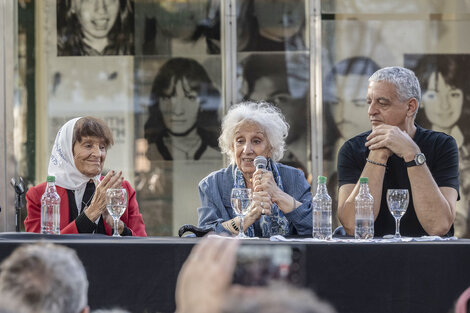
(50, 209)
(364, 211)
(321, 204)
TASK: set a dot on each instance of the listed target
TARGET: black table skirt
(139, 274)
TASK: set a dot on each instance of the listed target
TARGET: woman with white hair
(282, 198)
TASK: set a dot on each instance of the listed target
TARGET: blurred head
(267, 79)
(276, 298)
(91, 140)
(279, 19)
(344, 94)
(250, 129)
(183, 98)
(443, 80)
(46, 278)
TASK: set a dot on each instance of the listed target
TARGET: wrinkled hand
(394, 140)
(98, 204)
(261, 199)
(206, 275)
(264, 181)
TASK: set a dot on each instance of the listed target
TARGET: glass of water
(241, 200)
(116, 203)
(397, 200)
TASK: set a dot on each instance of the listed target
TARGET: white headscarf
(62, 164)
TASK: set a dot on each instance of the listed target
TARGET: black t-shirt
(441, 158)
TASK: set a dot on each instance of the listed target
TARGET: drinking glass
(241, 200)
(397, 200)
(116, 203)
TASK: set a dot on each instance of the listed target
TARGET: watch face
(420, 159)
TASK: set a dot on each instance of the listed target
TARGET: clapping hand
(98, 204)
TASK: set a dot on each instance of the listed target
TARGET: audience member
(45, 277)
(115, 310)
(463, 302)
(282, 199)
(397, 153)
(274, 298)
(205, 285)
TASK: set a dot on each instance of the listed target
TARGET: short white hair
(46, 278)
(404, 80)
(268, 117)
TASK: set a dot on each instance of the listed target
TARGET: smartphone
(258, 264)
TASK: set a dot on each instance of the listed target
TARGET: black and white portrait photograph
(175, 27)
(178, 106)
(95, 27)
(277, 78)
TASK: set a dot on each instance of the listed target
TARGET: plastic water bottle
(50, 209)
(364, 211)
(321, 204)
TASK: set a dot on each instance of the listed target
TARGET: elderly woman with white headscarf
(77, 161)
(282, 199)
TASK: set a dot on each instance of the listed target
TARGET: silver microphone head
(260, 162)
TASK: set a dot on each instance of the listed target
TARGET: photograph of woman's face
(279, 19)
(97, 17)
(179, 106)
(442, 103)
(350, 109)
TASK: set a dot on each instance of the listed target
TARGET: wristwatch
(419, 159)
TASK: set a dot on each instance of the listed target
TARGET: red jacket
(131, 217)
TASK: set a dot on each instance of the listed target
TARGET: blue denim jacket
(215, 189)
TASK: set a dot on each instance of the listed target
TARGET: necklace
(84, 204)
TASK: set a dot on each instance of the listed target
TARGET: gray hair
(266, 116)
(404, 80)
(46, 277)
(114, 310)
(278, 297)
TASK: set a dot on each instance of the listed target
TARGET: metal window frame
(8, 62)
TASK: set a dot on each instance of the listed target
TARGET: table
(139, 274)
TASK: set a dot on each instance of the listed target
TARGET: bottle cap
(364, 180)
(50, 179)
(321, 179)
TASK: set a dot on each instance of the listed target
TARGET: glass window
(153, 70)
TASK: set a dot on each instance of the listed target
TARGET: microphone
(18, 185)
(260, 162)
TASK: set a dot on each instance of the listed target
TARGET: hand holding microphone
(261, 197)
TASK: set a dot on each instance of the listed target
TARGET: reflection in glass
(445, 94)
(345, 110)
(172, 27)
(271, 25)
(276, 78)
